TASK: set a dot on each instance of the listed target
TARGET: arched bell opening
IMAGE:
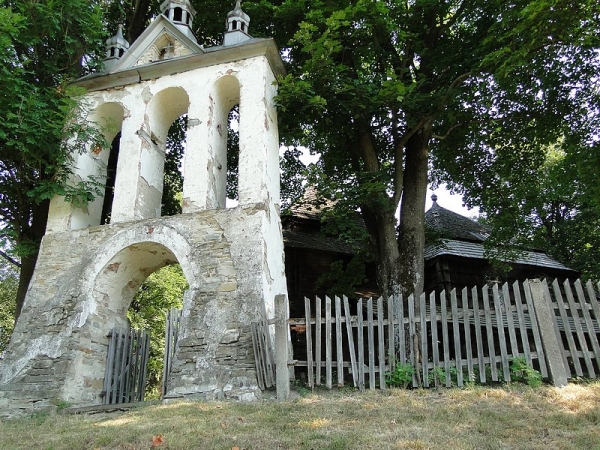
(225, 140)
(100, 165)
(163, 151)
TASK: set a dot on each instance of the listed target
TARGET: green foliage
(401, 376)
(44, 45)
(160, 292)
(293, 177)
(522, 372)
(440, 376)
(9, 281)
(385, 91)
(173, 178)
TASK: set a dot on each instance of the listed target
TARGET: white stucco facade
(87, 273)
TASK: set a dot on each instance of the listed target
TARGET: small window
(234, 25)
(112, 51)
(178, 14)
(121, 52)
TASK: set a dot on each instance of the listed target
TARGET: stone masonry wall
(85, 280)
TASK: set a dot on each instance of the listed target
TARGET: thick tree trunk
(412, 231)
(32, 238)
(387, 254)
(412, 213)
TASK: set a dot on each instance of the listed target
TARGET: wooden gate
(125, 377)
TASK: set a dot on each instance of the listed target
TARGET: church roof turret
(237, 24)
(181, 13)
(116, 47)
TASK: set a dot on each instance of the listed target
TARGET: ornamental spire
(181, 13)
(237, 25)
(116, 47)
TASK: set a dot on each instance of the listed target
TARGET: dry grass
(509, 417)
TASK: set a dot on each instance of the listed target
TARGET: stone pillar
(195, 183)
(259, 139)
(133, 139)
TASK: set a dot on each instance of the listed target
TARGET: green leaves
(160, 292)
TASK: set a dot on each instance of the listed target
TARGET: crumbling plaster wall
(146, 118)
(85, 280)
(87, 274)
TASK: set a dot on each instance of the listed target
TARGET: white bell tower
(88, 272)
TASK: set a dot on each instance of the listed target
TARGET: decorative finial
(237, 24)
(116, 47)
(434, 198)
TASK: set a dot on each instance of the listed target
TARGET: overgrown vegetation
(43, 46)
(9, 282)
(160, 292)
(520, 371)
(512, 416)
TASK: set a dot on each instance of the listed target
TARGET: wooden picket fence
(125, 376)
(576, 320)
(263, 355)
(451, 339)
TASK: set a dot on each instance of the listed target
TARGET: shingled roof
(450, 225)
(310, 206)
(463, 237)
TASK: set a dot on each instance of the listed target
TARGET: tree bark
(32, 237)
(137, 19)
(412, 213)
(412, 231)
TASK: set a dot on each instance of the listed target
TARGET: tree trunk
(137, 19)
(387, 254)
(412, 213)
(31, 238)
(412, 231)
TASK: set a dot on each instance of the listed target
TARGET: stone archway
(110, 281)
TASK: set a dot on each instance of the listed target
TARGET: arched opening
(178, 14)
(111, 177)
(225, 139)
(172, 194)
(100, 164)
(168, 125)
(158, 294)
(116, 302)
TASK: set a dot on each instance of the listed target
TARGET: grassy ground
(508, 417)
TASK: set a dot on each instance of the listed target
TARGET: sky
(450, 201)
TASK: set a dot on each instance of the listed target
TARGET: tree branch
(441, 138)
(399, 159)
(10, 259)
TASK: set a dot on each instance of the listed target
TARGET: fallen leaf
(157, 440)
(223, 425)
(235, 448)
